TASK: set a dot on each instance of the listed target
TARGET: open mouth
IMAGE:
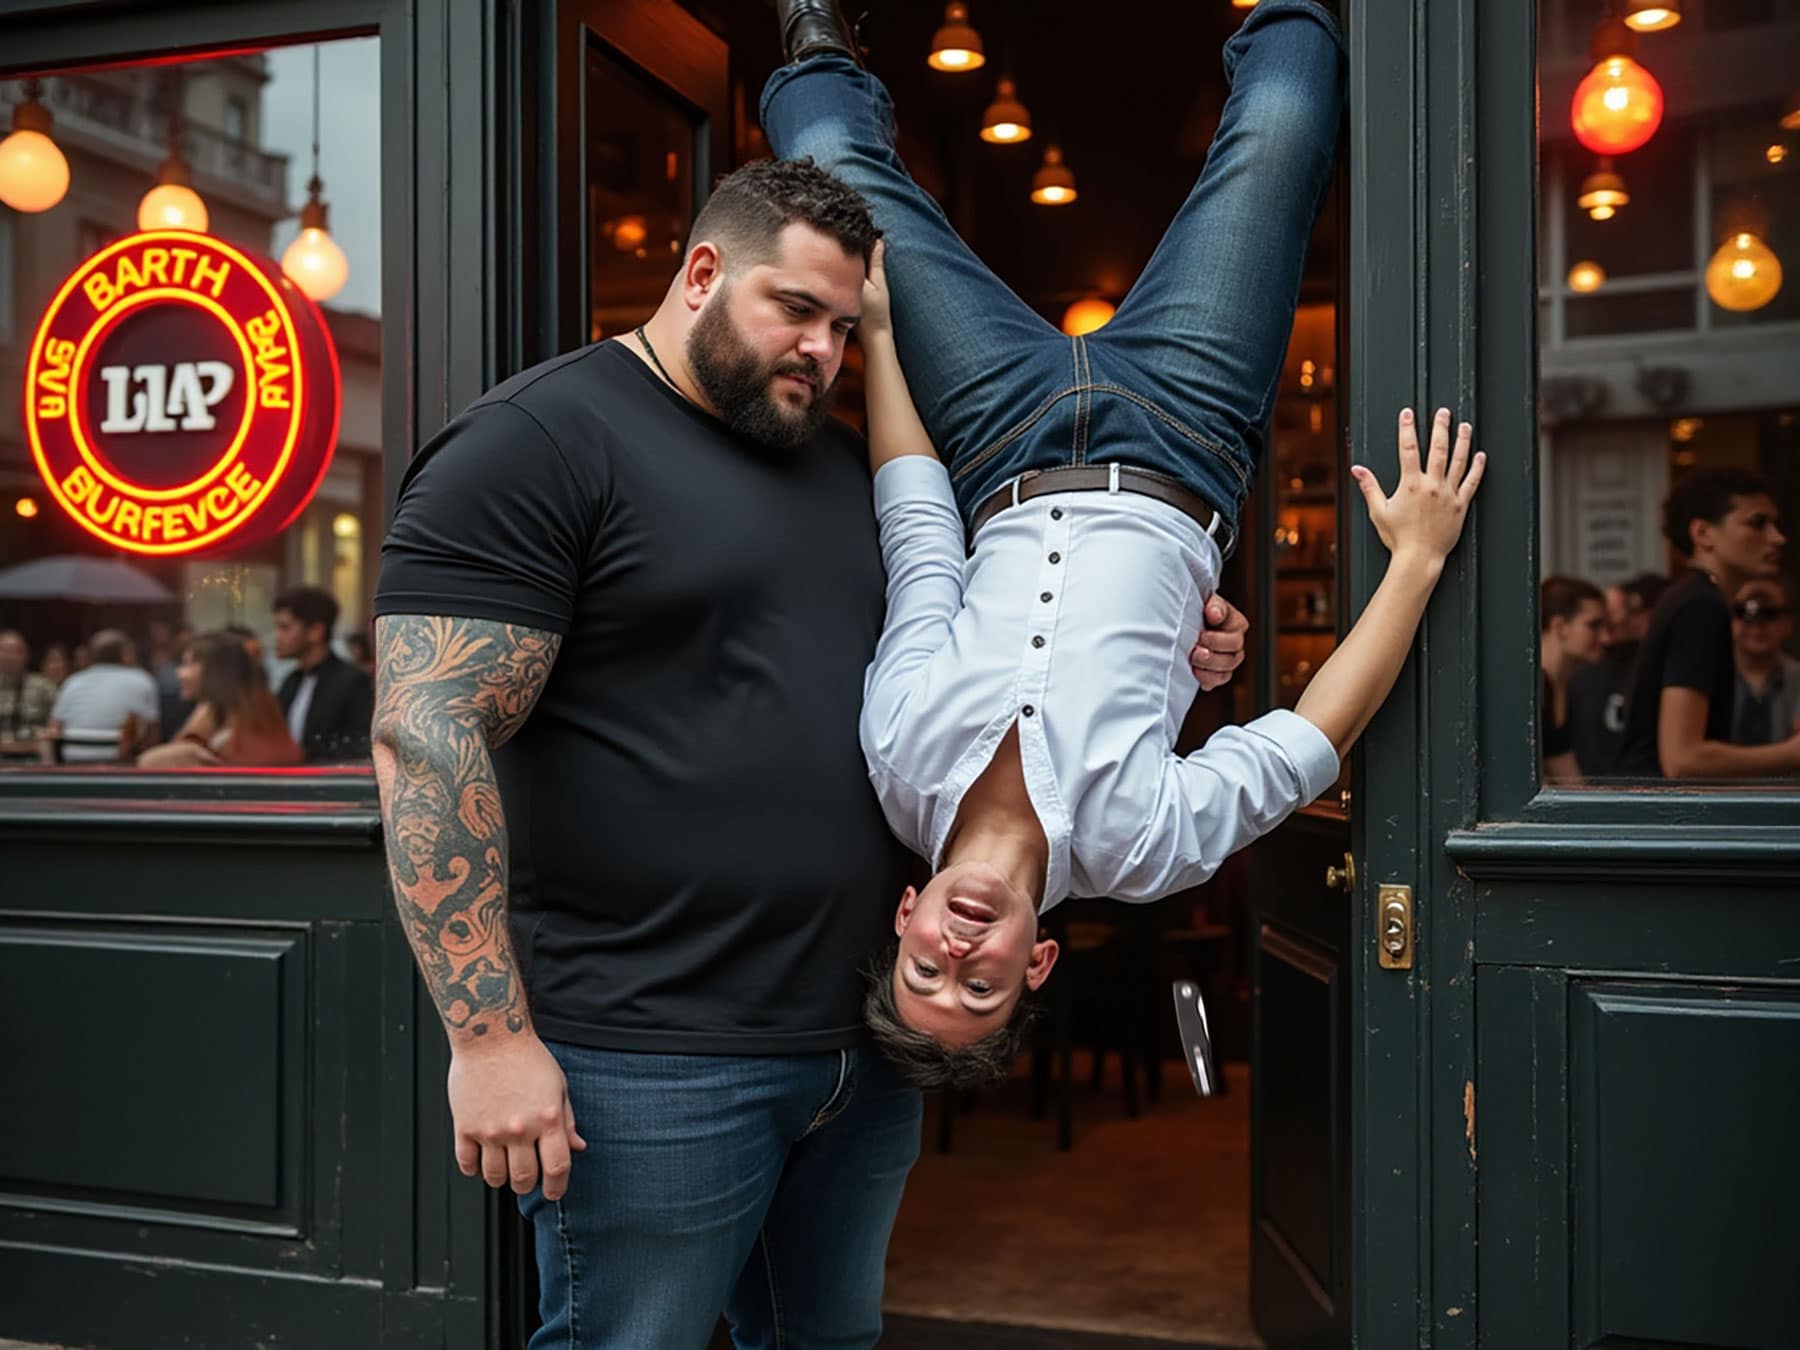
(972, 910)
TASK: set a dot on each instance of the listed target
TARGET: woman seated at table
(236, 719)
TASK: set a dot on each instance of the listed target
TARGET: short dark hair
(1707, 495)
(1647, 587)
(751, 206)
(310, 605)
(920, 1059)
(1563, 597)
(109, 647)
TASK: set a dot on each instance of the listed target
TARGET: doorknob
(1342, 878)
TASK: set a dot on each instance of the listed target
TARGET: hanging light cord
(315, 185)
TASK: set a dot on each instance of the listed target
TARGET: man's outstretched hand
(1220, 650)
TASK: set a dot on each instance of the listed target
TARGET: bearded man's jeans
(1182, 380)
(763, 1187)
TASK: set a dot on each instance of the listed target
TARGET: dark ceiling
(1131, 92)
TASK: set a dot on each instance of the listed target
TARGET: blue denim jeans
(761, 1187)
(1182, 380)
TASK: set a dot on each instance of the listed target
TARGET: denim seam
(833, 1107)
(768, 1256)
(562, 1232)
(1036, 416)
(1084, 400)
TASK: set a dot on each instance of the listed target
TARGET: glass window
(1669, 332)
(190, 414)
(640, 177)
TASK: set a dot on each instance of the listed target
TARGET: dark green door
(1358, 1118)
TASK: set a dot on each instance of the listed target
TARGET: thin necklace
(655, 360)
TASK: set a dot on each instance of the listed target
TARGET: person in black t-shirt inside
(1599, 691)
(1726, 523)
(1571, 623)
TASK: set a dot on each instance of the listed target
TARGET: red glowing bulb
(1617, 107)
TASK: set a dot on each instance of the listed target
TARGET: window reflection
(1669, 331)
(124, 639)
(640, 177)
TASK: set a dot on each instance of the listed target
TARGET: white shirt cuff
(913, 478)
(1307, 748)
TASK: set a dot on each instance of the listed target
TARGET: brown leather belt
(1099, 478)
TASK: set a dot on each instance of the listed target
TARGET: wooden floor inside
(1141, 1230)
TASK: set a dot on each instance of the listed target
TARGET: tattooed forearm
(447, 692)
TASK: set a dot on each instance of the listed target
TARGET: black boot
(813, 27)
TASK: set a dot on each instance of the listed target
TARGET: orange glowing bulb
(1087, 316)
(1617, 107)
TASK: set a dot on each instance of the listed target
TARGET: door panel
(1299, 1187)
(1647, 1121)
(1300, 1056)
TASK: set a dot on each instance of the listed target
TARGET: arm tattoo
(448, 692)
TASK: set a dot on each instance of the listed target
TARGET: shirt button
(1056, 557)
(1045, 597)
(1028, 710)
(1037, 642)
(1056, 513)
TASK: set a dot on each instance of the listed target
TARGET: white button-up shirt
(1074, 620)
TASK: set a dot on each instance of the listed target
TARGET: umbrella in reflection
(91, 581)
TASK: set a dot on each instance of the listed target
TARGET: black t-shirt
(1553, 736)
(699, 863)
(1688, 647)
(1598, 694)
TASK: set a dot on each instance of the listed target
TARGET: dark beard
(736, 382)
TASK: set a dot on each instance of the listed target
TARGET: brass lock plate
(1394, 927)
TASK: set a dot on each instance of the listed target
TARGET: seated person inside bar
(1571, 625)
(328, 702)
(25, 698)
(235, 720)
(1598, 692)
(105, 711)
(1767, 706)
(1726, 524)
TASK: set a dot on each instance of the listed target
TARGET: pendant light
(1053, 184)
(33, 173)
(173, 204)
(314, 262)
(1652, 16)
(1618, 105)
(1585, 277)
(1087, 315)
(1603, 192)
(1790, 115)
(1006, 121)
(1744, 274)
(956, 46)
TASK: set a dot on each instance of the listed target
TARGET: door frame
(669, 46)
(1412, 289)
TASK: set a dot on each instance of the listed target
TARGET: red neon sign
(182, 394)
